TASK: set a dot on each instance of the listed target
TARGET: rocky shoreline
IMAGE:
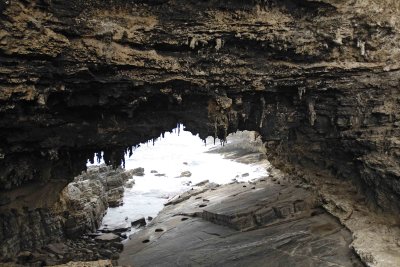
(243, 224)
(293, 220)
(317, 79)
(67, 230)
(372, 238)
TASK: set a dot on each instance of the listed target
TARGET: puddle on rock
(173, 165)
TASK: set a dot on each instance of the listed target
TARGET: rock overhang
(317, 79)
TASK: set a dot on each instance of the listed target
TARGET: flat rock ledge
(243, 224)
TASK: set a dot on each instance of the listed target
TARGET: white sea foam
(172, 155)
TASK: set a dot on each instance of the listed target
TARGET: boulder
(139, 222)
(185, 174)
(114, 181)
(109, 237)
(138, 172)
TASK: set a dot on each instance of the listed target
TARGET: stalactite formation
(319, 81)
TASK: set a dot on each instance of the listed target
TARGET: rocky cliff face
(38, 215)
(319, 80)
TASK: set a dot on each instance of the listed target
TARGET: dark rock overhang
(317, 79)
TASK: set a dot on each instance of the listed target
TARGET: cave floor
(264, 223)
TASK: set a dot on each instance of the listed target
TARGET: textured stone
(37, 216)
(138, 172)
(100, 263)
(88, 197)
(107, 238)
(185, 174)
(139, 222)
(190, 235)
(319, 81)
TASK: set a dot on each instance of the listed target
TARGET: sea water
(179, 151)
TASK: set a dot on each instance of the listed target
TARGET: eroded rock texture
(242, 224)
(37, 215)
(319, 80)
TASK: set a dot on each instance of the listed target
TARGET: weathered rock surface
(137, 172)
(88, 197)
(375, 237)
(185, 174)
(107, 237)
(69, 252)
(237, 225)
(36, 217)
(318, 79)
(100, 263)
(24, 230)
(139, 222)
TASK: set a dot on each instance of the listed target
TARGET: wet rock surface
(243, 224)
(139, 222)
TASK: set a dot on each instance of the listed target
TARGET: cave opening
(177, 162)
(318, 80)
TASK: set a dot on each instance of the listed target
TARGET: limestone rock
(318, 80)
(115, 196)
(258, 224)
(185, 174)
(100, 263)
(268, 72)
(138, 172)
(110, 237)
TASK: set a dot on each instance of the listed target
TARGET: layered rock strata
(243, 224)
(318, 79)
(33, 219)
(85, 201)
(375, 238)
